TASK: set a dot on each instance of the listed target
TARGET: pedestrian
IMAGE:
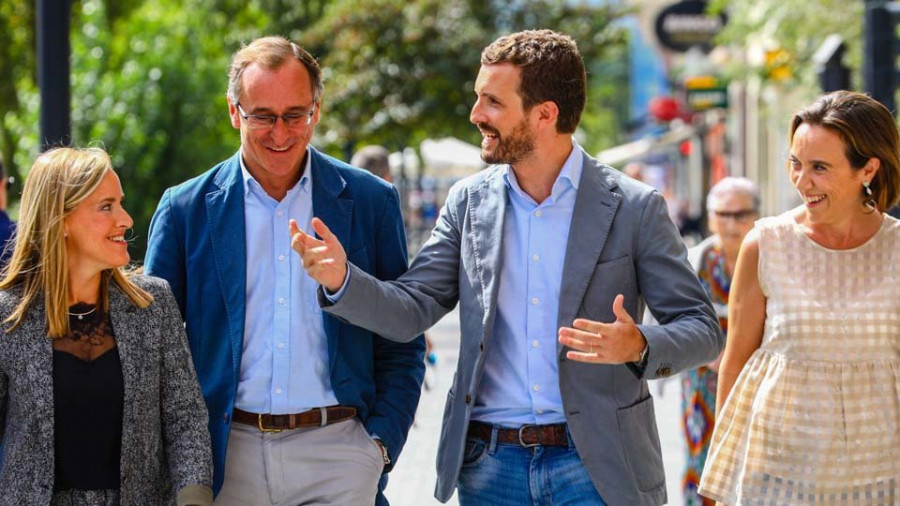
(811, 370)
(304, 408)
(547, 253)
(376, 160)
(732, 205)
(7, 226)
(99, 402)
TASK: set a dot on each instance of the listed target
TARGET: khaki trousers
(338, 464)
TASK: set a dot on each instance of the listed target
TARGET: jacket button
(481, 346)
(225, 417)
(468, 398)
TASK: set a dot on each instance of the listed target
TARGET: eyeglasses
(742, 215)
(267, 121)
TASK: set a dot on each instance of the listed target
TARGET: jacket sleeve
(4, 403)
(399, 367)
(401, 310)
(688, 334)
(165, 249)
(184, 416)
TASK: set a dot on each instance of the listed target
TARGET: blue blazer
(197, 243)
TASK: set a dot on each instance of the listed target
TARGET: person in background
(733, 205)
(7, 226)
(376, 159)
(99, 401)
(634, 170)
(809, 411)
(304, 408)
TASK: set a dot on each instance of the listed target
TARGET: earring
(870, 201)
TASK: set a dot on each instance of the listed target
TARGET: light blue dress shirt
(284, 363)
(521, 376)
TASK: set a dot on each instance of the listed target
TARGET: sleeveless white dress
(813, 417)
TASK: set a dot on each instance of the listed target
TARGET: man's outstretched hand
(324, 260)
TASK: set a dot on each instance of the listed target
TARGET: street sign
(705, 92)
(686, 24)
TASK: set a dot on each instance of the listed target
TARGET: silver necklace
(82, 315)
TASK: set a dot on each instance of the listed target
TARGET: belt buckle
(260, 425)
(522, 443)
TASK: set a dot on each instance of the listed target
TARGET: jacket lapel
(337, 213)
(225, 215)
(487, 209)
(122, 315)
(592, 218)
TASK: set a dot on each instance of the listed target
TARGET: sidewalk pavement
(412, 481)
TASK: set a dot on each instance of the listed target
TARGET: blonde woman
(99, 401)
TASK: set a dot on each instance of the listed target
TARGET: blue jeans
(498, 474)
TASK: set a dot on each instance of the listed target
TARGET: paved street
(412, 481)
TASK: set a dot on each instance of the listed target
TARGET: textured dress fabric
(165, 448)
(813, 416)
(698, 386)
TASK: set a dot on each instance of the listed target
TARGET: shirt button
(280, 346)
(281, 300)
(538, 213)
(535, 343)
(279, 213)
(535, 257)
(536, 388)
(281, 258)
(278, 391)
(539, 411)
(534, 301)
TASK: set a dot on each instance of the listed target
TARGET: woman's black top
(88, 394)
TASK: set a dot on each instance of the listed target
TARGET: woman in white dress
(811, 370)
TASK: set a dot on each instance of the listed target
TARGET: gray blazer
(165, 441)
(621, 241)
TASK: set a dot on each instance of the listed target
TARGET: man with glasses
(309, 408)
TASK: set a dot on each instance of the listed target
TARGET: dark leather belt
(318, 417)
(527, 435)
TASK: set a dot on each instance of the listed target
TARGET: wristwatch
(645, 355)
(385, 456)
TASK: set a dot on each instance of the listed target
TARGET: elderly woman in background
(811, 368)
(99, 401)
(732, 205)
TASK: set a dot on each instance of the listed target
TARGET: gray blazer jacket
(621, 241)
(165, 441)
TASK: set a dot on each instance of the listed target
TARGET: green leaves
(149, 77)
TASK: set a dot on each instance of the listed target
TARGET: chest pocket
(608, 280)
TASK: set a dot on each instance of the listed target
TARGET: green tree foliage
(798, 27)
(149, 76)
(17, 75)
(399, 71)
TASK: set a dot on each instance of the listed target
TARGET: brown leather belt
(318, 417)
(526, 435)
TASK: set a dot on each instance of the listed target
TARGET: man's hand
(324, 260)
(604, 343)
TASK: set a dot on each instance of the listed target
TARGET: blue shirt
(284, 363)
(521, 375)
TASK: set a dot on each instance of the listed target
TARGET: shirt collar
(570, 172)
(251, 184)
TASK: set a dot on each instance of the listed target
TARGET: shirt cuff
(336, 296)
